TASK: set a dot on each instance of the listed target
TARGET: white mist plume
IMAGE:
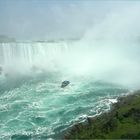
(114, 47)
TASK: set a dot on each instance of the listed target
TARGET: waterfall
(111, 61)
(30, 53)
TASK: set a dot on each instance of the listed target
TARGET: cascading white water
(29, 52)
(20, 56)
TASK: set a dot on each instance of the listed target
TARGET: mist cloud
(52, 19)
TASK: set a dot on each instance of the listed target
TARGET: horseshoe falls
(32, 103)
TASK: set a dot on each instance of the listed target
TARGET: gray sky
(53, 19)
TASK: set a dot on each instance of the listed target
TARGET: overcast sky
(53, 19)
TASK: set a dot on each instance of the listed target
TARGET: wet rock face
(65, 83)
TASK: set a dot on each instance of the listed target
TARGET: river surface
(32, 103)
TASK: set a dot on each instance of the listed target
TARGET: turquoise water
(32, 103)
(36, 107)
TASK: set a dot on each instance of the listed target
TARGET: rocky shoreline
(121, 122)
